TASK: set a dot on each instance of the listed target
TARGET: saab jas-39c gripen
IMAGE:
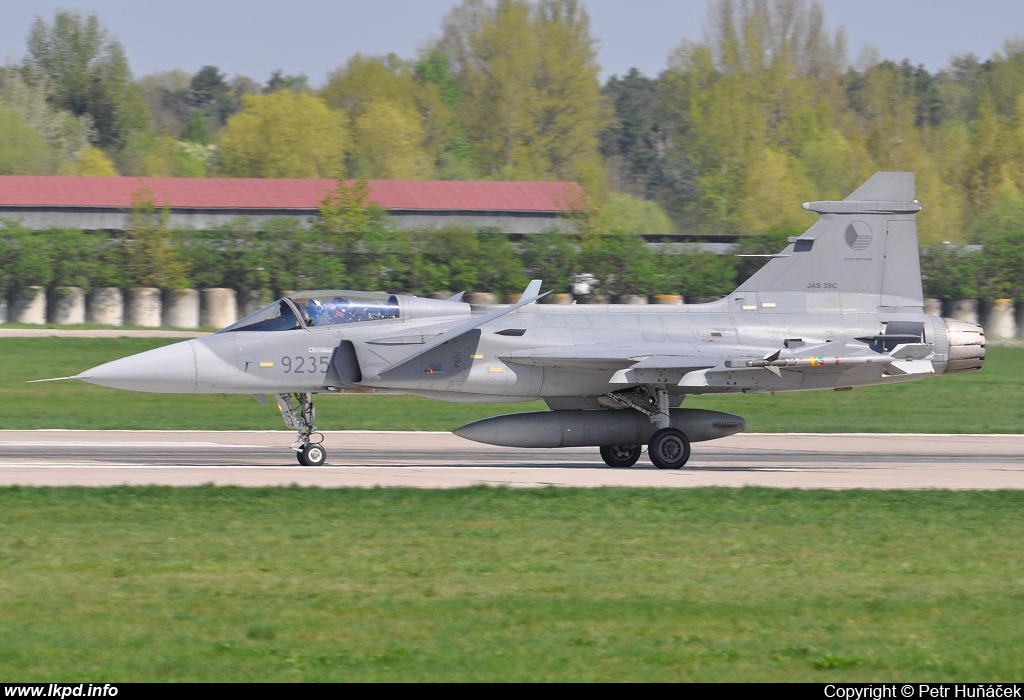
(840, 307)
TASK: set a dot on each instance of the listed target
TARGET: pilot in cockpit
(317, 314)
(340, 310)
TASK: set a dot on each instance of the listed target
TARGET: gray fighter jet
(840, 307)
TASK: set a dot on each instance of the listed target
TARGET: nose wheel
(299, 416)
(311, 455)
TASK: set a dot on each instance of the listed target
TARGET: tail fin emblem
(858, 235)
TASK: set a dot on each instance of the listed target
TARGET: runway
(442, 460)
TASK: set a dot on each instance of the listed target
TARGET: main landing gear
(309, 449)
(669, 447)
(620, 455)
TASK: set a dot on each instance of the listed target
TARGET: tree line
(765, 112)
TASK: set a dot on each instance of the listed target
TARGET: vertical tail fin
(861, 255)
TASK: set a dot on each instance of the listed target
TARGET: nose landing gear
(308, 446)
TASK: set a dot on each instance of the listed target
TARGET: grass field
(989, 401)
(494, 584)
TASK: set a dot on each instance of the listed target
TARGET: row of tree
(284, 255)
(739, 128)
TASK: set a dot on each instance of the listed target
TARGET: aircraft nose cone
(168, 370)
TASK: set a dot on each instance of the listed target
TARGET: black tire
(669, 449)
(620, 455)
(312, 455)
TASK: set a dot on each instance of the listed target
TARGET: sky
(257, 37)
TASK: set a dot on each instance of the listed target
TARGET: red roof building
(91, 203)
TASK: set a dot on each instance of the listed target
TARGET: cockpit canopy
(320, 308)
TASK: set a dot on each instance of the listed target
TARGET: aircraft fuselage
(497, 362)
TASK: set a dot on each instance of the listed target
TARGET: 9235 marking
(305, 365)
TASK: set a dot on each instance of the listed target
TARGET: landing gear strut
(308, 446)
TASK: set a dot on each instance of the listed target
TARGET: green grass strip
(229, 584)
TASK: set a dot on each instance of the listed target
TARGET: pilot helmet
(316, 310)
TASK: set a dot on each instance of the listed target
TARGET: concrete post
(481, 298)
(28, 305)
(218, 307)
(998, 319)
(630, 299)
(964, 310)
(933, 307)
(252, 300)
(66, 306)
(105, 307)
(180, 308)
(596, 299)
(3, 309)
(142, 307)
(668, 299)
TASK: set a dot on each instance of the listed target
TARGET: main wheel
(620, 455)
(311, 455)
(669, 449)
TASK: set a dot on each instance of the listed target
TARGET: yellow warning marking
(768, 304)
(266, 364)
(476, 357)
(495, 369)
